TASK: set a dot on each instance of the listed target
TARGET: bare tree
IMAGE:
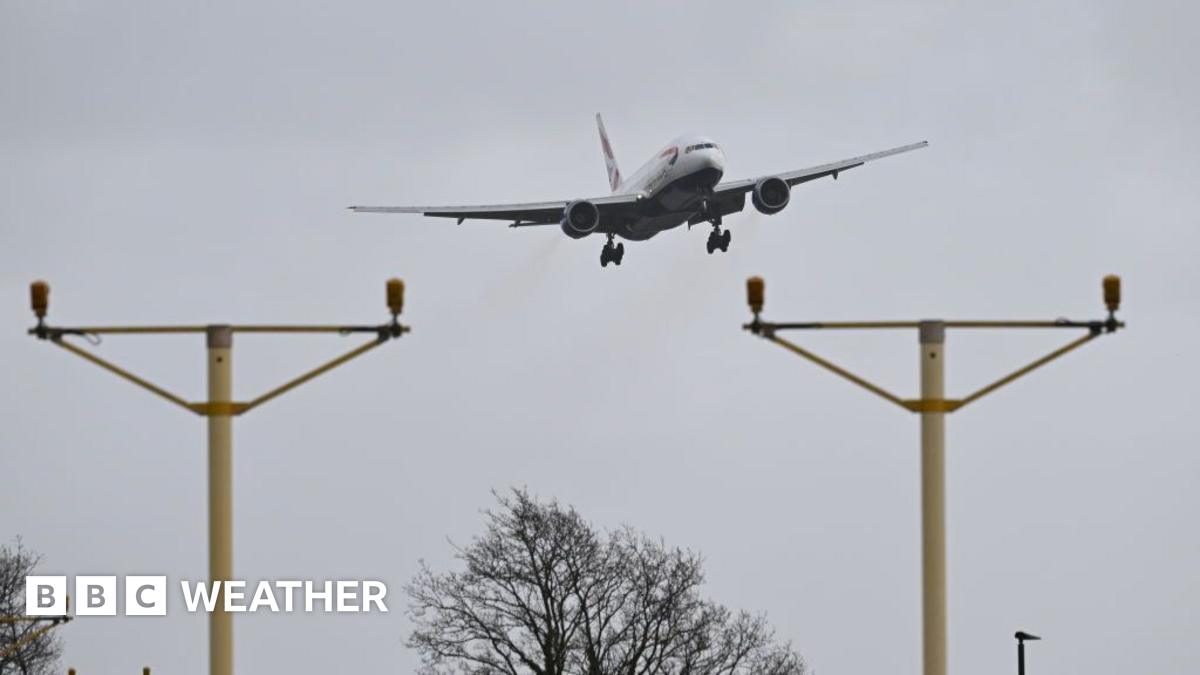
(512, 609)
(544, 593)
(34, 654)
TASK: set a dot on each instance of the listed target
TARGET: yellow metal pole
(319, 370)
(933, 406)
(1029, 368)
(933, 498)
(219, 408)
(120, 372)
(837, 370)
(16, 645)
(220, 495)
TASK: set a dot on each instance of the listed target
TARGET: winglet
(610, 161)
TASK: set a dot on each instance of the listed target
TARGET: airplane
(680, 184)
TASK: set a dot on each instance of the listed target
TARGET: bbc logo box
(96, 596)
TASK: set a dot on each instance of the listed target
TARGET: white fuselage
(673, 184)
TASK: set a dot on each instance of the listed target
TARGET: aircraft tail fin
(610, 162)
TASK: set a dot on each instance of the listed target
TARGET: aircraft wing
(812, 173)
(533, 213)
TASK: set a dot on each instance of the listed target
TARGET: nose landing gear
(612, 254)
(718, 240)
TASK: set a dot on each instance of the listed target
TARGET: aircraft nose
(714, 159)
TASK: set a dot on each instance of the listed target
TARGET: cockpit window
(699, 146)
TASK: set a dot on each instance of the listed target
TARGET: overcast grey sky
(183, 162)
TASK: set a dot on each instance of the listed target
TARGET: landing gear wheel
(717, 240)
(725, 239)
(612, 254)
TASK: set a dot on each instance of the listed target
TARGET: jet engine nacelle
(580, 219)
(771, 195)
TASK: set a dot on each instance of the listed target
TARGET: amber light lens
(755, 292)
(1112, 292)
(39, 298)
(395, 295)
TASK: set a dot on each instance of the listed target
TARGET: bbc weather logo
(147, 596)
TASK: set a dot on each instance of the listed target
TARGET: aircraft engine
(580, 219)
(771, 195)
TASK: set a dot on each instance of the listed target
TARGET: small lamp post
(1022, 636)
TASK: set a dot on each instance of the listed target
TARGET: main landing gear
(718, 240)
(612, 254)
